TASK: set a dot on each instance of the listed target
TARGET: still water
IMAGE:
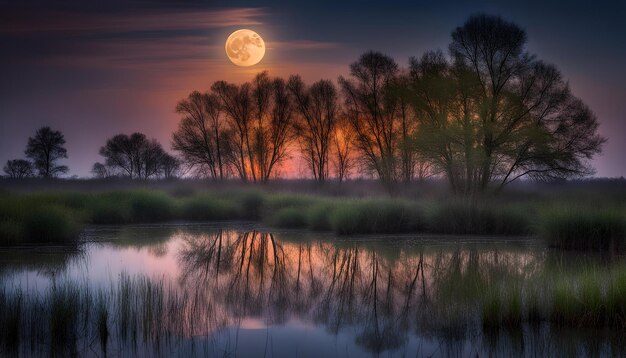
(239, 289)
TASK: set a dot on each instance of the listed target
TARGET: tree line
(487, 113)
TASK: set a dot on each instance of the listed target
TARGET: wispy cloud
(301, 45)
(155, 20)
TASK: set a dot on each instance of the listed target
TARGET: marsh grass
(59, 216)
(289, 217)
(375, 216)
(137, 312)
(512, 316)
(67, 318)
(492, 309)
(463, 217)
(319, 216)
(584, 228)
(206, 207)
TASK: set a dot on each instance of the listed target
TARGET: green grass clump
(460, 217)
(319, 216)
(376, 216)
(251, 204)
(11, 231)
(50, 223)
(276, 202)
(207, 207)
(592, 301)
(290, 217)
(151, 206)
(512, 316)
(584, 229)
(616, 300)
(110, 208)
(492, 309)
(566, 305)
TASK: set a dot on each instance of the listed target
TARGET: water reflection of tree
(433, 293)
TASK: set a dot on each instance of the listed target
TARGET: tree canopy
(45, 149)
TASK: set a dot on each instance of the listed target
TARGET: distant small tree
(45, 149)
(170, 167)
(100, 171)
(18, 169)
(122, 153)
(134, 155)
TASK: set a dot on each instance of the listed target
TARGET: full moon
(245, 47)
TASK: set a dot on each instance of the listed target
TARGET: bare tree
(318, 110)
(170, 167)
(121, 152)
(342, 139)
(134, 156)
(260, 115)
(372, 110)
(497, 113)
(18, 169)
(151, 157)
(277, 133)
(409, 159)
(100, 171)
(45, 149)
(202, 135)
(237, 104)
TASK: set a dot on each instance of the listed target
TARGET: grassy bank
(57, 217)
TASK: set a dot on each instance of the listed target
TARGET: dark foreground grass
(59, 217)
(584, 228)
(595, 299)
(75, 318)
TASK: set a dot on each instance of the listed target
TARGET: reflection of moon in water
(245, 47)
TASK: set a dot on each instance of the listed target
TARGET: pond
(239, 289)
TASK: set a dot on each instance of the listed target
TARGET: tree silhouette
(260, 114)
(45, 149)
(496, 113)
(136, 156)
(488, 113)
(342, 139)
(202, 136)
(18, 169)
(318, 110)
(100, 171)
(237, 104)
(273, 110)
(372, 110)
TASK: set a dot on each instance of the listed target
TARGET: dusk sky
(95, 69)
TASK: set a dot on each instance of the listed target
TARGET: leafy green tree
(495, 113)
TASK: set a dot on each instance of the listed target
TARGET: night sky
(95, 69)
